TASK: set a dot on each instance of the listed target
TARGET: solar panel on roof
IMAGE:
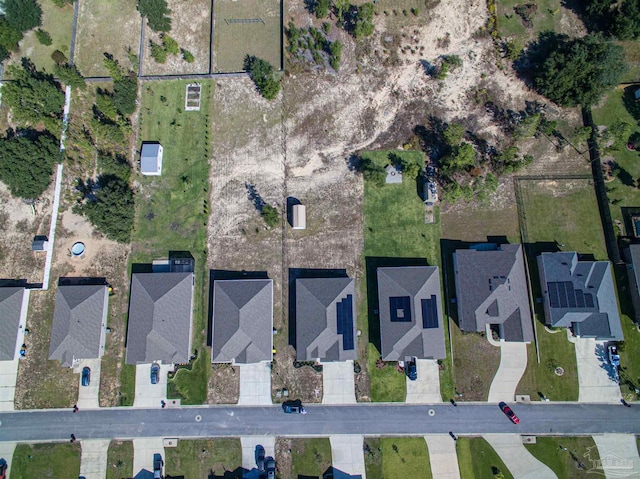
(429, 312)
(344, 310)
(562, 294)
(588, 299)
(554, 300)
(571, 294)
(400, 309)
(580, 298)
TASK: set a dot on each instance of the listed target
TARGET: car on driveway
(411, 369)
(155, 373)
(509, 413)
(271, 468)
(614, 358)
(293, 407)
(86, 376)
(157, 466)
(260, 458)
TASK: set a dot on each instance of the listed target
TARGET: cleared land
(476, 458)
(53, 461)
(550, 15)
(120, 459)
(246, 28)
(172, 209)
(106, 26)
(202, 459)
(563, 454)
(191, 28)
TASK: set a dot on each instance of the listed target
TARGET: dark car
(155, 373)
(86, 376)
(509, 413)
(260, 458)
(3, 469)
(412, 369)
(293, 407)
(271, 468)
(157, 466)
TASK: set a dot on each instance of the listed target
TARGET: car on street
(293, 407)
(260, 458)
(157, 466)
(271, 468)
(155, 373)
(614, 358)
(509, 413)
(411, 369)
(86, 376)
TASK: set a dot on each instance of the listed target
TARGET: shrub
(104, 103)
(335, 53)
(43, 37)
(156, 12)
(59, 58)
(527, 127)
(62, 3)
(263, 75)
(453, 134)
(158, 52)
(115, 70)
(326, 28)
(125, 93)
(362, 23)
(170, 45)
(69, 75)
(619, 133)
(114, 165)
(270, 215)
(321, 8)
(461, 157)
(187, 56)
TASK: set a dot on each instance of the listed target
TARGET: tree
(125, 94)
(170, 45)
(263, 75)
(114, 165)
(59, 58)
(410, 169)
(453, 133)
(33, 96)
(620, 19)
(372, 172)
(116, 72)
(69, 75)
(270, 215)
(575, 71)
(187, 56)
(23, 15)
(335, 53)
(460, 158)
(43, 37)
(156, 12)
(9, 36)
(363, 20)
(321, 8)
(158, 52)
(26, 162)
(104, 104)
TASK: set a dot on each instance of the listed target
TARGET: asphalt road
(367, 419)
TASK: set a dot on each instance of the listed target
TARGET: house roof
(634, 257)
(410, 310)
(326, 319)
(78, 321)
(149, 157)
(10, 311)
(580, 295)
(491, 288)
(394, 175)
(160, 318)
(242, 321)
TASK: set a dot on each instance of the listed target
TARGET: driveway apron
(618, 456)
(443, 457)
(338, 383)
(249, 444)
(426, 388)
(347, 455)
(596, 377)
(255, 384)
(521, 463)
(513, 362)
(93, 460)
(88, 395)
(143, 450)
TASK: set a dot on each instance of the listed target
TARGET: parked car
(614, 358)
(411, 369)
(260, 458)
(271, 468)
(3, 469)
(155, 373)
(86, 376)
(157, 466)
(293, 407)
(509, 413)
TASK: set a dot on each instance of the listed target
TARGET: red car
(510, 414)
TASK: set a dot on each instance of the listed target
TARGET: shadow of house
(631, 101)
(73, 281)
(234, 474)
(291, 202)
(632, 254)
(334, 473)
(631, 217)
(603, 356)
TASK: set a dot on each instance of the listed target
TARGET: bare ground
(224, 384)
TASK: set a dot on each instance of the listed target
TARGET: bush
(527, 127)
(69, 75)
(23, 15)
(170, 45)
(362, 20)
(619, 133)
(116, 72)
(321, 8)
(59, 58)
(125, 93)
(453, 134)
(187, 56)
(156, 12)
(43, 37)
(326, 28)
(335, 53)
(270, 215)
(158, 52)
(104, 103)
(461, 157)
(263, 75)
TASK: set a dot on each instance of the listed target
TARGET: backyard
(476, 458)
(51, 461)
(172, 209)
(563, 454)
(201, 459)
(547, 15)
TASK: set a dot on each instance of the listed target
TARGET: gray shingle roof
(79, 320)
(242, 321)
(320, 302)
(580, 295)
(160, 318)
(149, 157)
(10, 310)
(491, 288)
(404, 294)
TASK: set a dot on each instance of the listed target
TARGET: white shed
(151, 159)
(299, 217)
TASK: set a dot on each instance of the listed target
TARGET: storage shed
(299, 217)
(151, 159)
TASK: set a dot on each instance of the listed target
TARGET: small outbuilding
(299, 214)
(40, 243)
(394, 174)
(151, 159)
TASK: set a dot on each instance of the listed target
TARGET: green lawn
(120, 460)
(477, 459)
(632, 54)
(373, 457)
(549, 450)
(51, 461)
(630, 349)
(549, 16)
(201, 459)
(404, 457)
(395, 235)
(172, 209)
(310, 457)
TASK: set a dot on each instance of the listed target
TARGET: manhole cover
(198, 418)
(432, 412)
(559, 371)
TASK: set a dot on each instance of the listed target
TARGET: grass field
(171, 214)
(373, 457)
(476, 459)
(120, 460)
(200, 459)
(549, 450)
(110, 26)
(310, 457)
(549, 16)
(632, 54)
(395, 234)
(51, 461)
(404, 457)
(55, 21)
(233, 41)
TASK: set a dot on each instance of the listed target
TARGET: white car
(614, 358)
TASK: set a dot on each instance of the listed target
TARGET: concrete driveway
(255, 384)
(513, 362)
(338, 383)
(347, 455)
(8, 377)
(147, 394)
(249, 444)
(596, 377)
(520, 462)
(618, 456)
(425, 389)
(143, 450)
(93, 460)
(88, 395)
(443, 457)
(6, 453)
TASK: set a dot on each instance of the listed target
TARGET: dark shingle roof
(10, 310)
(579, 294)
(491, 288)
(410, 310)
(326, 319)
(242, 321)
(160, 318)
(79, 320)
